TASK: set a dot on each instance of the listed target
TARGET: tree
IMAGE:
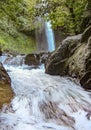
(65, 13)
(17, 14)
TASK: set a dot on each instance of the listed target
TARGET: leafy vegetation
(17, 20)
(16, 24)
(65, 13)
(22, 44)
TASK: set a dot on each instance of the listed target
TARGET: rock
(86, 80)
(32, 59)
(57, 61)
(72, 58)
(6, 92)
(0, 52)
(35, 60)
(86, 34)
(44, 56)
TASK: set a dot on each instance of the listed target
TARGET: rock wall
(59, 35)
(0, 52)
(6, 92)
(73, 58)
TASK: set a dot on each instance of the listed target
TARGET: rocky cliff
(73, 58)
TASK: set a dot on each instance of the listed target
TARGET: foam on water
(45, 102)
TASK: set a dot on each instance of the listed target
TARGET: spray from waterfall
(44, 36)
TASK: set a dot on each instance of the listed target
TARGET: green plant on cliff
(65, 13)
(16, 24)
(20, 12)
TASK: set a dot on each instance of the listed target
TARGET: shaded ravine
(44, 102)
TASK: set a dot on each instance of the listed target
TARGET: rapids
(44, 102)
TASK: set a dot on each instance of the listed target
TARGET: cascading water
(44, 102)
(50, 37)
(41, 38)
(44, 36)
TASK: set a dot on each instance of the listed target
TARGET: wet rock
(32, 59)
(36, 59)
(6, 92)
(73, 58)
(44, 56)
(57, 61)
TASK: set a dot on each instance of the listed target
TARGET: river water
(44, 102)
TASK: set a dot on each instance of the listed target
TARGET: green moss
(21, 43)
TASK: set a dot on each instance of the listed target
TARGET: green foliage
(22, 44)
(65, 13)
(17, 16)
(20, 12)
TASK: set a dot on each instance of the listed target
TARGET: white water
(44, 36)
(44, 102)
(50, 37)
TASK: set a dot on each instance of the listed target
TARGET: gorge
(48, 86)
(43, 101)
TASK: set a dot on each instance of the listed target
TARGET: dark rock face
(57, 33)
(6, 92)
(44, 56)
(86, 34)
(32, 59)
(73, 58)
(86, 79)
(57, 61)
(0, 52)
(36, 59)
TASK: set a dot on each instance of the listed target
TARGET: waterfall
(41, 38)
(45, 102)
(50, 37)
(44, 36)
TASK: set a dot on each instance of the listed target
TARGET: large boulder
(32, 59)
(6, 92)
(73, 58)
(56, 62)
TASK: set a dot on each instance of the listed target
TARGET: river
(44, 102)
